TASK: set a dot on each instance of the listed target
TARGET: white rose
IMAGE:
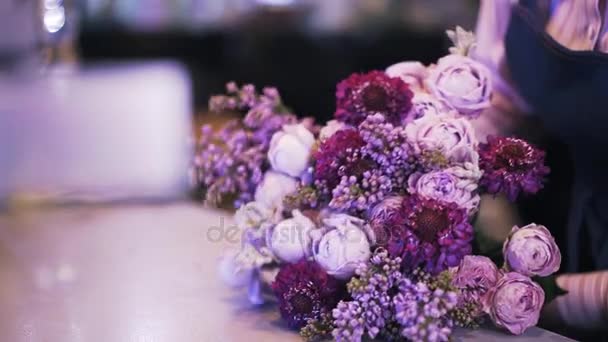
(273, 189)
(344, 246)
(242, 268)
(330, 128)
(253, 214)
(290, 149)
(238, 267)
(290, 239)
(412, 73)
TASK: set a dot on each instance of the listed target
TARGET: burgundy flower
(305, 291)
(511, 166)
(338, 156)
(433, 235)
(375, 92)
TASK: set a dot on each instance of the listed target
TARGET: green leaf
(549, 285)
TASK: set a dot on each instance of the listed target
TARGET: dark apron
(569, 92)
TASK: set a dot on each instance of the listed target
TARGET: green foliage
(318, 329)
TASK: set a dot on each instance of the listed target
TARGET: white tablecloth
(133, 273)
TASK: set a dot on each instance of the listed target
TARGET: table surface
(134, 273)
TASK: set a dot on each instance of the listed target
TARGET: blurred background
(304, 47)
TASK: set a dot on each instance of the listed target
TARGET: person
(550, 60)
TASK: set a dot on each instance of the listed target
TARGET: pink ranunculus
(514, 303)
(476, 274)
(453, 137)
(462, 83)
(532, 251)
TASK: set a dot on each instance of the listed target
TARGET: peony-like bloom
(290, 239)
(361, 95)
(435, 235)
(331, 127)
(253, 215)
(532, 251)
(515, 302)
(241, 268)
(475, 275)
(411, 72)
(334, 156)
(424, 104)
(273, 189)
(233, 271)
(462, 83)
(345, 244)
(386, 217)
(289, 150)
(453, 137)
(446, 186)
(304, 292)
(511, 166)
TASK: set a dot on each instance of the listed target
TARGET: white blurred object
(106, 133)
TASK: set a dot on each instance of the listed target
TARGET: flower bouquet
(363, 226)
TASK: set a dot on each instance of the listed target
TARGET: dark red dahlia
(511, 166)
(304, 291)
(339, 155)
(434, 235)
(375, 92)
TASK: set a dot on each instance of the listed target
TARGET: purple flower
(361, 95)
(338, 155)
(230, 163)
(371, 308)
(447, 186)
(387, 145)
(356, 194)
(532, 251)
(384, 217)
(511, 166)
(386, 304)
(462, 83)
(434, 235)
(355, 169)
(514, 303)
(348, 322)
(304, 292)
(423, 313)
(475, 275)
(453, 137)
